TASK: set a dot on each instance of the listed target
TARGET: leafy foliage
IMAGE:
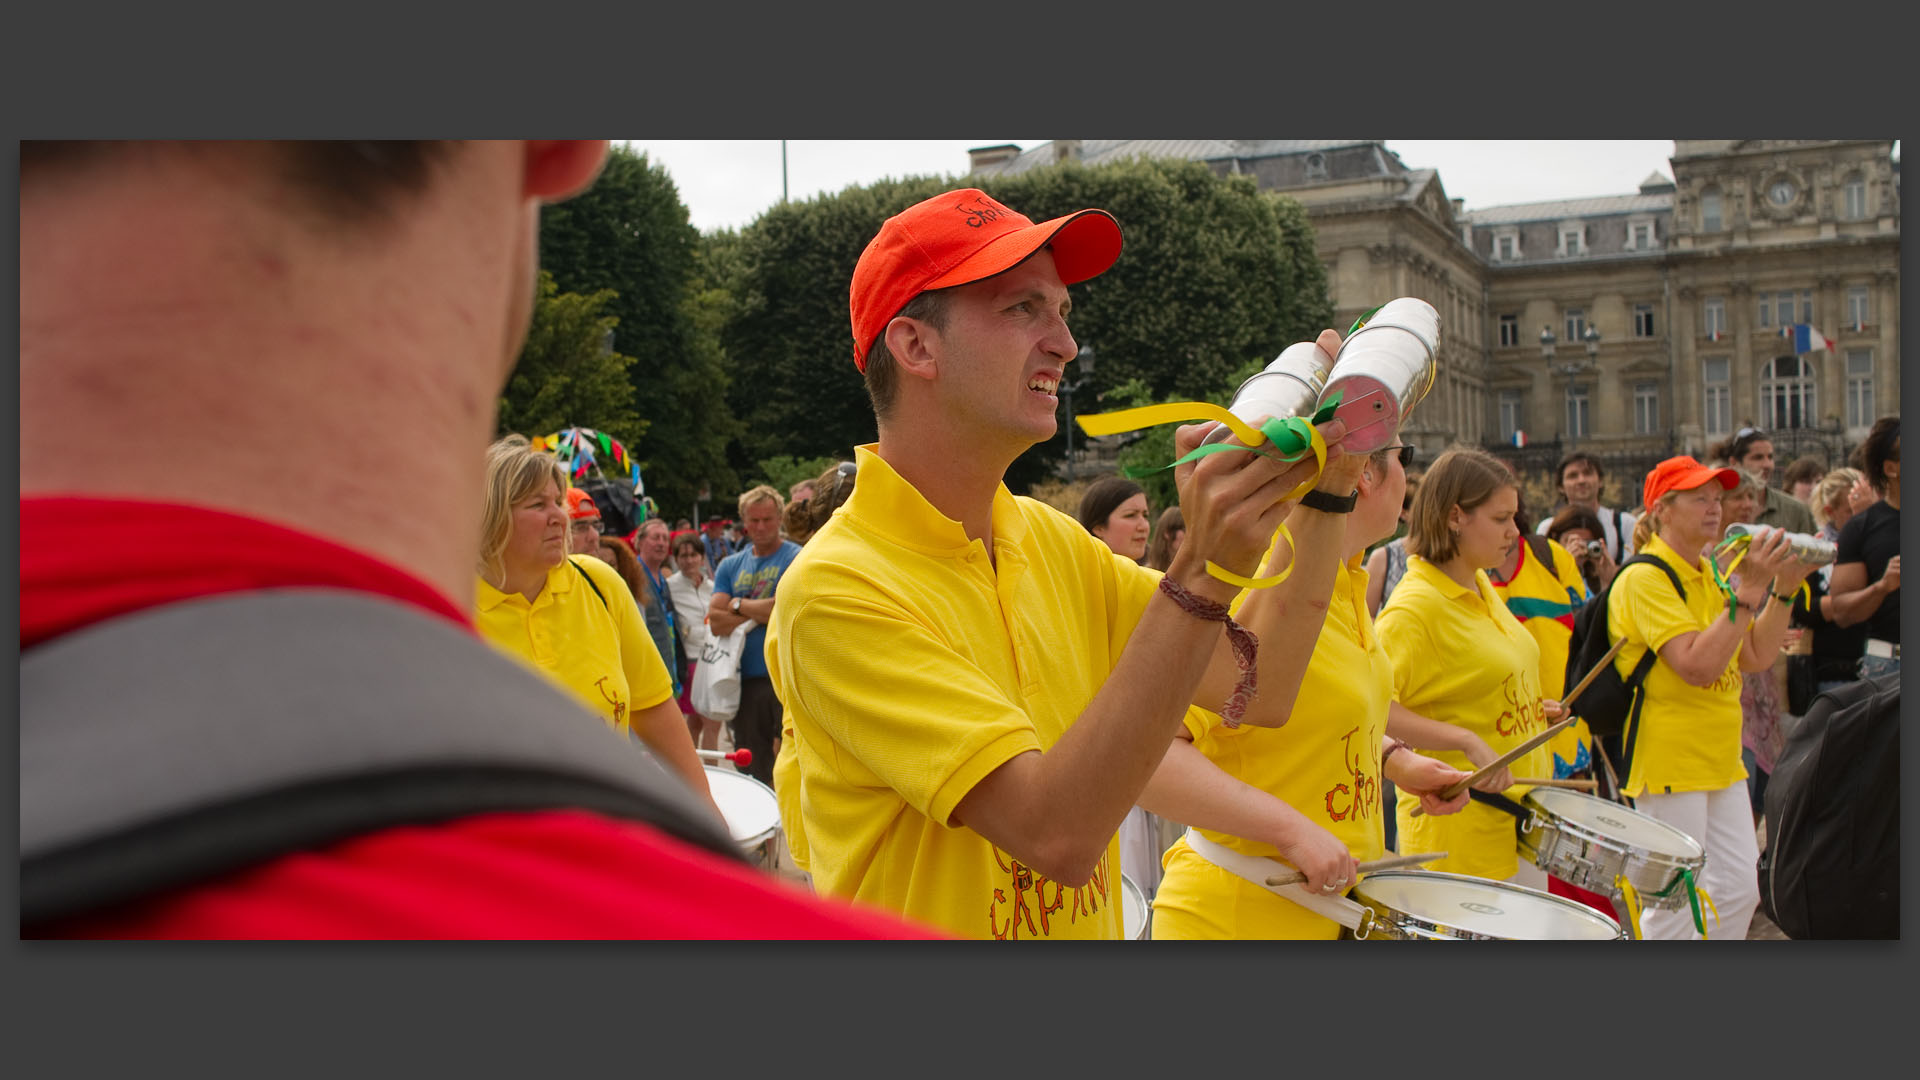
(1215, 276)
(566, 375)
(782, 471)
(630, 233)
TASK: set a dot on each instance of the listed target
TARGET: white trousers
(1722, 821)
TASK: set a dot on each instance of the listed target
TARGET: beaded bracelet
(1393, 745)
(1245, 646)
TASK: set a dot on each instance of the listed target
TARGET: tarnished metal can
(1385, 368)
(1808, 549)
(1290, 386)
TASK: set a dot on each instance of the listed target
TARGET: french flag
(1519, 438)
(1806, 339)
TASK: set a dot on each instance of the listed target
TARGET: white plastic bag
(716, 679)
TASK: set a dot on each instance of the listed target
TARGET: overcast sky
(729, 183)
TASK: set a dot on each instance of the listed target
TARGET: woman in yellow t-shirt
(571, 617)
(1683, 752)
(1315, 782)
(1466, 674)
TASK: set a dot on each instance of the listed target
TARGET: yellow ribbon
(1710, 907)
(1632, 897)
(1122, 420)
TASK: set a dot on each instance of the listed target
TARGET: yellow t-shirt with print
(600, 651)
(1689, 736)
(1325, 763)
(1462, 658)
(1545, 600)
(911, 667)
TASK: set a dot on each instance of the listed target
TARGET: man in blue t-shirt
(716, 542)
(743, 589)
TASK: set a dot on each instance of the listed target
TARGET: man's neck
(960, 480)
(761, 551)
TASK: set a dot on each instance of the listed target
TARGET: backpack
(174, 745)
(1832, 864)
(1611, 703)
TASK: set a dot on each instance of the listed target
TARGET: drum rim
(1544, 816)
(1400, 920)
(1130, 887)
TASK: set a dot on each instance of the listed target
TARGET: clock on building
(1782, 191)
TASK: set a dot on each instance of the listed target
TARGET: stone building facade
(1688, 283)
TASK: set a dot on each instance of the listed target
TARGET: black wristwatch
(735, 606)
(1331, 504)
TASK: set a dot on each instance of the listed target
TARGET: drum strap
(1499, 802)
(1257, 870)
(176, 744)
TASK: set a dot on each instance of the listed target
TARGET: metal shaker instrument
(1384, 369)
(1289, 386)
(1808, 549)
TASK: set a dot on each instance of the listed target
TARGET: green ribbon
(1291, 436)
(1693, 896)
(1362, 320)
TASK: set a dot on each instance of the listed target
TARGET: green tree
(567, 376)
(1215, 276)
(630, 233)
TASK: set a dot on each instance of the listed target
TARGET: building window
(1646, 408)
(1578, 412)
(1573, 240)
(1787, 398)
(1806, 305)
(1643, 320)
(1860, 412)
(1511, 417)
(1716, 402)
(1316, 166)
(1576, 326)
(1853, 197)
(1858, 316)
(1776, 309)
(1714, 315)
(1506, 248)
(1509, 330)
(1640, 236)
(1710, 210)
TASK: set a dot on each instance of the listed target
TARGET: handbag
(716, 680)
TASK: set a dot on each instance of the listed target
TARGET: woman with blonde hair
(571, 616)
(1466, 674)
(1682, 759)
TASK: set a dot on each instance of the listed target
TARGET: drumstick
(1391, 862)
(1613, 778)
(1580, 785)
(743, 757)
(1454, 789)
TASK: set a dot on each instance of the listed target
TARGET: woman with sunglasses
(1306, 792)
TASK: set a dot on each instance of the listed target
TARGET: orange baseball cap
(580, 505)
(963, 236)
(1683, 473)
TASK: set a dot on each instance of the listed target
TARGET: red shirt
(550, 874)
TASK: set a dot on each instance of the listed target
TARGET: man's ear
(562, 168)
(915, 346)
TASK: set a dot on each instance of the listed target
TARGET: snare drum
(1136, 922)
(753, 816)
(1591, 842)
(1424, 905)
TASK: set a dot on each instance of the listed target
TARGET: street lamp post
(1083, 363)
(1571, 369)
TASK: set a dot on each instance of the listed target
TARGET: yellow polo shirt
(1461, 657)
(1689, 737)
(1324, 763)
(911, 667)
(1545, 600)
(599, 651)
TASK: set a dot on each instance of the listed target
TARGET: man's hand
(720, 617)
(1234, 503)
(1890, 577)
(1483, 755)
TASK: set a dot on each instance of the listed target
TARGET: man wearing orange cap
(583, 524)
(979, 690)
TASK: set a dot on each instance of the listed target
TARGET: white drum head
(1134, 919)
(747, 804)
(1617, 822)
(1491, 908)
